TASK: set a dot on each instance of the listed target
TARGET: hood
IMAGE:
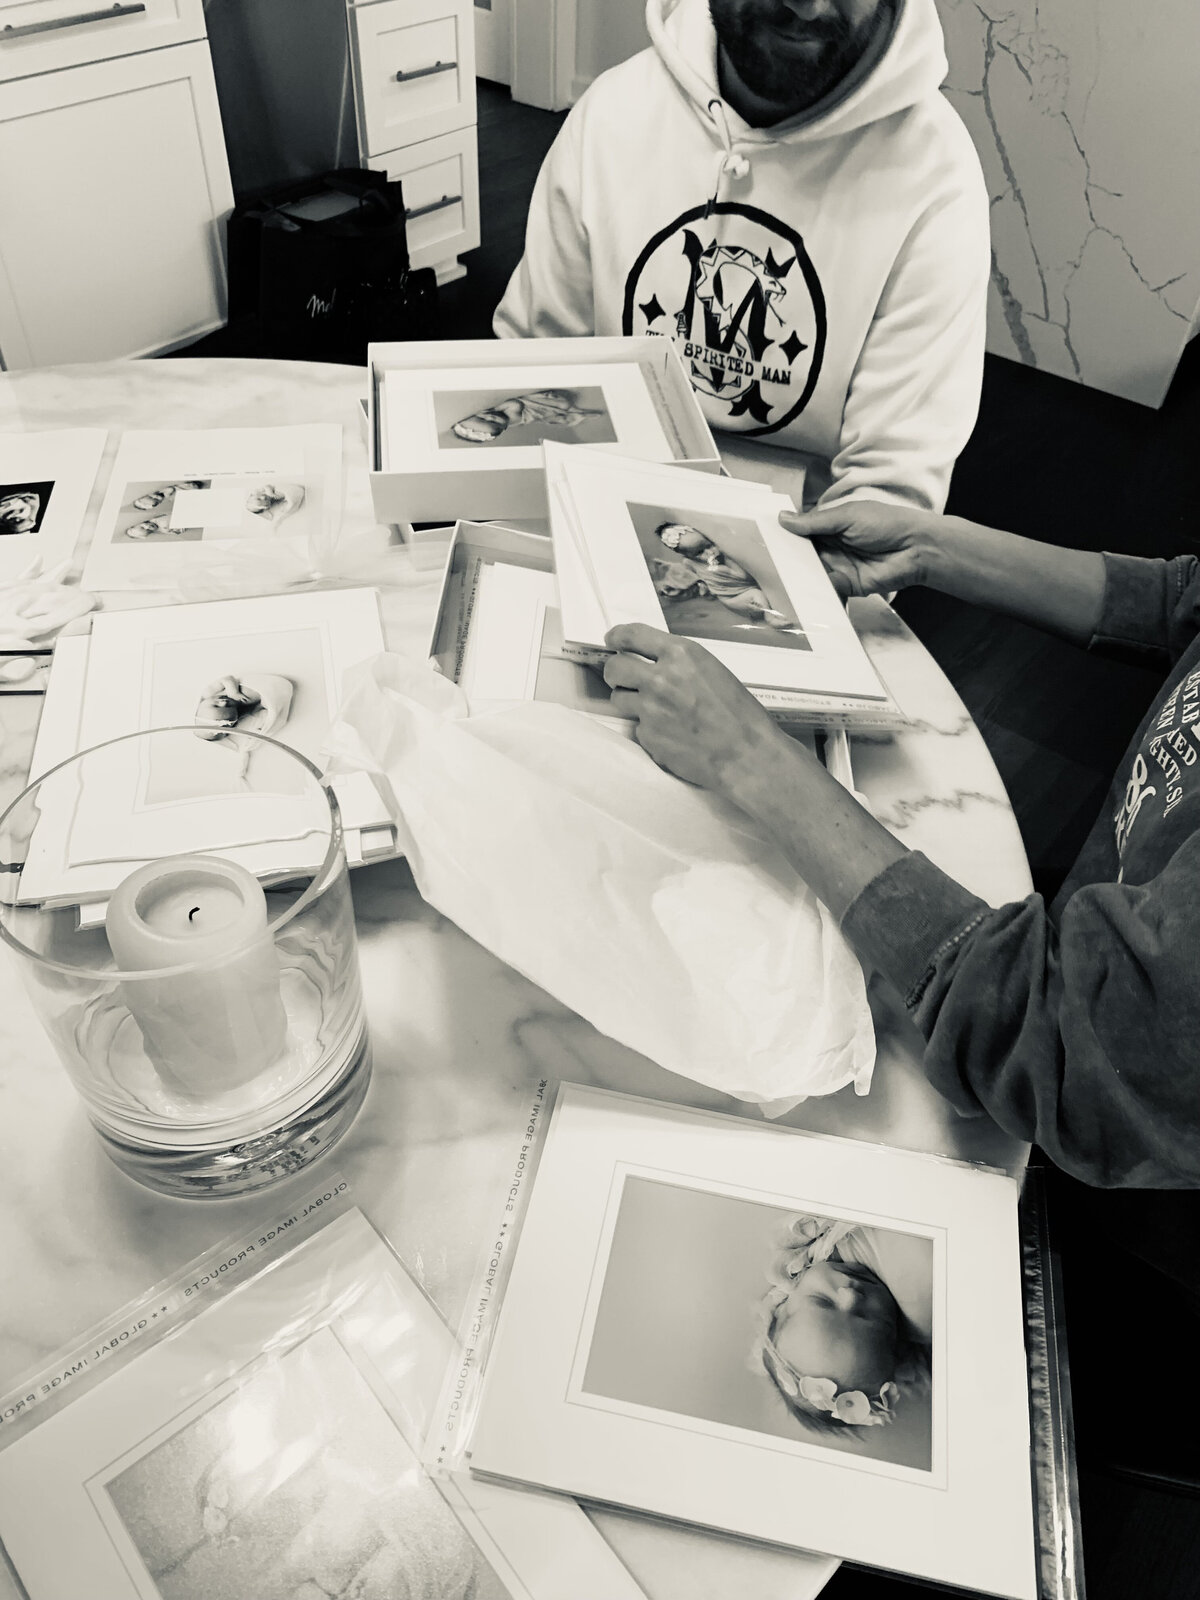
(911, 67)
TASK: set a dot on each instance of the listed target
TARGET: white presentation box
(470, 540)
(628, 395)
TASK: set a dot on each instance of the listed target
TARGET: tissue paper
(647, 906)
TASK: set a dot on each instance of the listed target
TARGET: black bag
(323, 263)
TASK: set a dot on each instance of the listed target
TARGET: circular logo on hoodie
(733, 286)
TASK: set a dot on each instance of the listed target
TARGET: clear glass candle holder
(179, 906)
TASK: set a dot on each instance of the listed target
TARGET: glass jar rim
(314, 887)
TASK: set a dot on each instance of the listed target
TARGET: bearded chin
(798, 81)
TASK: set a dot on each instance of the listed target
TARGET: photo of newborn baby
(23, 507)
(491, 418)
(231, 707)
(296, 1485)
(813, 1329)
(225, 688)
(715, 578)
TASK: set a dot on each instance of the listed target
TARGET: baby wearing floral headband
(832, 1337)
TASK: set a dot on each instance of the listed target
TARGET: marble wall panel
(1084, 113)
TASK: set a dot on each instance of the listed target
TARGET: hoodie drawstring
(729, 163)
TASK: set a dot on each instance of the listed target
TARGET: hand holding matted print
(867, 546)
(692, 715)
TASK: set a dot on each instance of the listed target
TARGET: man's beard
(779, 76)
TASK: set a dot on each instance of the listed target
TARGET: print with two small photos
(177, 500)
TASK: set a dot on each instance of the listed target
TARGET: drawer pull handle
(427, 72)
(26, 28)
(438, 205)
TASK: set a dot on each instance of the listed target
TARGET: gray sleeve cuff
(1140, 595)
(907, 918)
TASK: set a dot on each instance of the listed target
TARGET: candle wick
(193, 912)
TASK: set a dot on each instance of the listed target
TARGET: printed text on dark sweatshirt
(1078, 1027)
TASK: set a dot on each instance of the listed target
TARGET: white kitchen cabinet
(414, 80)
(114, 185)
(45, 35)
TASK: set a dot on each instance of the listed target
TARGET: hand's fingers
(625, 703)
(639, 638)
(834, 520)
(841, 573)
(627, 672)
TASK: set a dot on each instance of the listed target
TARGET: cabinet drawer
(44, 35)
(414, 70)
(441, 195)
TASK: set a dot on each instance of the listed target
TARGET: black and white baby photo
(804, 1327)
(468, 419)
(23, 507)
(268, 1494)
(272, 684)
(715, 578)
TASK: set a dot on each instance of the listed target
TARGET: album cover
(791, 1337)
(173, 496)
(46, 481)
(704, 559)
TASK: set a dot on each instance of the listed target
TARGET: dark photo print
(808, 1328)
(471, 419)
(23, 507)
(715, 578)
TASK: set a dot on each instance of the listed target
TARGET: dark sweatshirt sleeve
(1084, 1038)
(1151, 608)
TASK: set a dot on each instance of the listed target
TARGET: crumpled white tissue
(643, 904)
(35, 607)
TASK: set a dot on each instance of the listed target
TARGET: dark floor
(1061, 463)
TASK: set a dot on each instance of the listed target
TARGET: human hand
(692, 715)
(869, 546)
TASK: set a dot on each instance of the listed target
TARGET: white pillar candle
(221, 1023)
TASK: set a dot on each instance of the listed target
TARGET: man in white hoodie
(780, 187)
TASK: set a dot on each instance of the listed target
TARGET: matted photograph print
(228, 669)
(715, 578)
(172, 494)
(484, 418)
(294, 1483)
(46, 481)
(813, 1329)
(790, 1337)
(496, 419)
(267, 1447)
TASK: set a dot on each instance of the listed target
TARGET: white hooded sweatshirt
(824, 279)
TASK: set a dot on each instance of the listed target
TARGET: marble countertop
(459, 1039)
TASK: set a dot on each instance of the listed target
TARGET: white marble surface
(459, 1039)
(1084, 116)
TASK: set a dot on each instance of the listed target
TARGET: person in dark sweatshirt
(1075, 1026)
